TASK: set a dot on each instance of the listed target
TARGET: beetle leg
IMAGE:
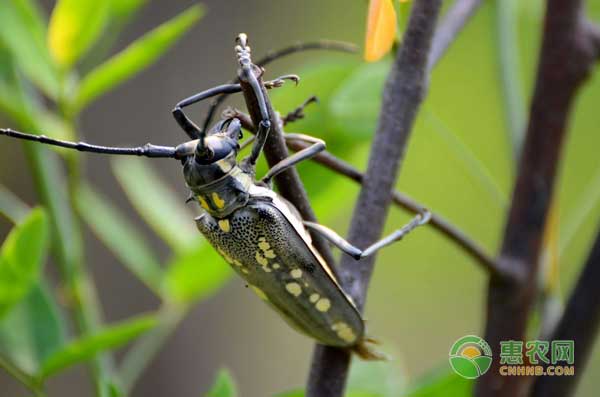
(304, 154)
(356, 252)
(280, 81)
(191, 129)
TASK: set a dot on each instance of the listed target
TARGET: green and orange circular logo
(470, 357)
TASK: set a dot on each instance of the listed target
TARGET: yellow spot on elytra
(263, 245)
(323, 305)
(219, 202)
(261, 259)
(276, 266)
(270, 254)
(294, 288)
(224, 225)
(313, 298)
(203, 202)
(261, 294)
(344, 331)
(296, 273)
(245, 271)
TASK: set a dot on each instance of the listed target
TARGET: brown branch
(403, 93)
(565, 61)
(580, 323)
(288, 182)
(453, 23)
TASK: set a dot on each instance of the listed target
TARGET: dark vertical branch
(403, 93)
(565, 60)
(580, 323)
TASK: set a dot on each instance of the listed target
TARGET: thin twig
(508, 56)
(452, 24)
(403, 93)
(510, 300)
(580, 324)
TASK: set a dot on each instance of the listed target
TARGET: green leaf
(22, 31)
(21, 258)
(156, 203)
(32, 330)
(223, 386)
(196, 275)
(123, 9)
(74, 27)
(356, 104)
(136, 57)
(121, 237)
(11, 207)
(443, 384)
(85, 348)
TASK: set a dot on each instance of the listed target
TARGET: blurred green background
(426, 292)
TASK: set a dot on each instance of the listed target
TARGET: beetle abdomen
(263, 247)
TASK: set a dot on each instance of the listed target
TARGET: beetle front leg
(304, 154)
(356, 252)
(191, 129)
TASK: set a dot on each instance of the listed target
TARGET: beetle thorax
(220, 187)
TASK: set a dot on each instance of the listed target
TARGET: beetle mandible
(259, 233)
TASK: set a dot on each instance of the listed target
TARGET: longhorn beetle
(259, 233)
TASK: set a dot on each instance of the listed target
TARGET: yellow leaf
(74, 27)
(381, 29)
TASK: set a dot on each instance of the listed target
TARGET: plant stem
(510, 300)
(580, 323)
(403, 93)
(453, 23)
(508, 54)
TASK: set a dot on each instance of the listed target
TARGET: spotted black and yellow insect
(260, 234)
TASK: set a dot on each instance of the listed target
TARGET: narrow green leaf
(32, 330)
(196, 275)
(74, 27)
(123, 9)
(21, 258)
(223, 386)
(136, 57)
(156, 203)
(121, 237)
(84, 348)
(11, 207)
(22, 31)
(355, 105)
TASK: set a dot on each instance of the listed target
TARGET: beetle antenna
(329, 45)
(148, 150)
